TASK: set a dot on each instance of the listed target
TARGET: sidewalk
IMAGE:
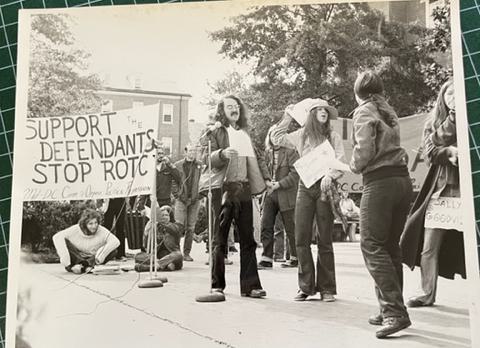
(111, 311)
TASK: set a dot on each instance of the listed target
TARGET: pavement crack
(118, 299)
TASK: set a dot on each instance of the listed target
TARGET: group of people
(392, 231)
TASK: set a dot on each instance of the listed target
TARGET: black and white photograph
(242, 174)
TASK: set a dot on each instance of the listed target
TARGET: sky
(167, 46)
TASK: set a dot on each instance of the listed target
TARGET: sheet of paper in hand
(444, 212)
(299, 111)
(314, 165)
(240, 141)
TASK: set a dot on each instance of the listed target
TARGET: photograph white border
(471, 254)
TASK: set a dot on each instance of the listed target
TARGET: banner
(92, 156)
(444, 212)
(411, 132)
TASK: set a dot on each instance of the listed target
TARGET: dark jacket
(165, 178)
(168, 235)
(256, 167)
(182, 193)
(286, 176)
(452, 255)
(376, 139)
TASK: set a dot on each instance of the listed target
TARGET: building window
(107, 105)
(168, 113)
(137, 104)
(167, 143)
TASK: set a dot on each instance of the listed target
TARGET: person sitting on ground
(351, 212)
(169, 232)
(86, 244)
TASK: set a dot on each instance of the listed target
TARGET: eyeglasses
(232, 107)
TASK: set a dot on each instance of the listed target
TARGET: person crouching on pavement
(187, 203)
(281, 199)
(86, 244)
(386, 198)
(237, 178)
(318, 201)
(169, 232)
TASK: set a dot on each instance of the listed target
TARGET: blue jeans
(310, 206)
(383, 211)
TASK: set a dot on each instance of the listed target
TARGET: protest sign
(104, 155)
(444, 212)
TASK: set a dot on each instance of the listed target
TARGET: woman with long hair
(386, 198)
(437, 251)
(315, 201)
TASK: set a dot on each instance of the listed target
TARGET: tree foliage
(59, 82)
(317, 51)
(437, 45)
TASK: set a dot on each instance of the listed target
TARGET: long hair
(220, 115)
(315, 131)
(369, 86)
(441, 110)
(87, 215)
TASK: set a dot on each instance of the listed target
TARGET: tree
(317, 50)
(437, 45)
(59, 82)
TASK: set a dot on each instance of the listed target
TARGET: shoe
(187, 258)
(301, 296)
(392, 325)
(255, 293)
(376, 319)
(232, 249)
(414, 302)
(265, 265)
(217, 290)
(327, 297)
(289, 264)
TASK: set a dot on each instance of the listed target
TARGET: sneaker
(327, 297)
(255, 293)
(290, 264)
(392, 325)
(301, 296)
(265, 265)
(187, 258)
(376, 319)
(415, 302)
(232, 249)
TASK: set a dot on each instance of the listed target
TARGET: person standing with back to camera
(436, 250)
(315, 201)
(386, 198)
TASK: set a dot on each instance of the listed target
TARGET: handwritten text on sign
(444, 212)
(91, 156)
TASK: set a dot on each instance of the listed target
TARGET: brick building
(414, 11)
(172, 118)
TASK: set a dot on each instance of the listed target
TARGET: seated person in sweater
(169, 232)
(86, 244)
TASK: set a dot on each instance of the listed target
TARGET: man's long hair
(220, 115)
(314, 131)
(87, 215)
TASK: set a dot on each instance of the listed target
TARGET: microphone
(211, 128)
